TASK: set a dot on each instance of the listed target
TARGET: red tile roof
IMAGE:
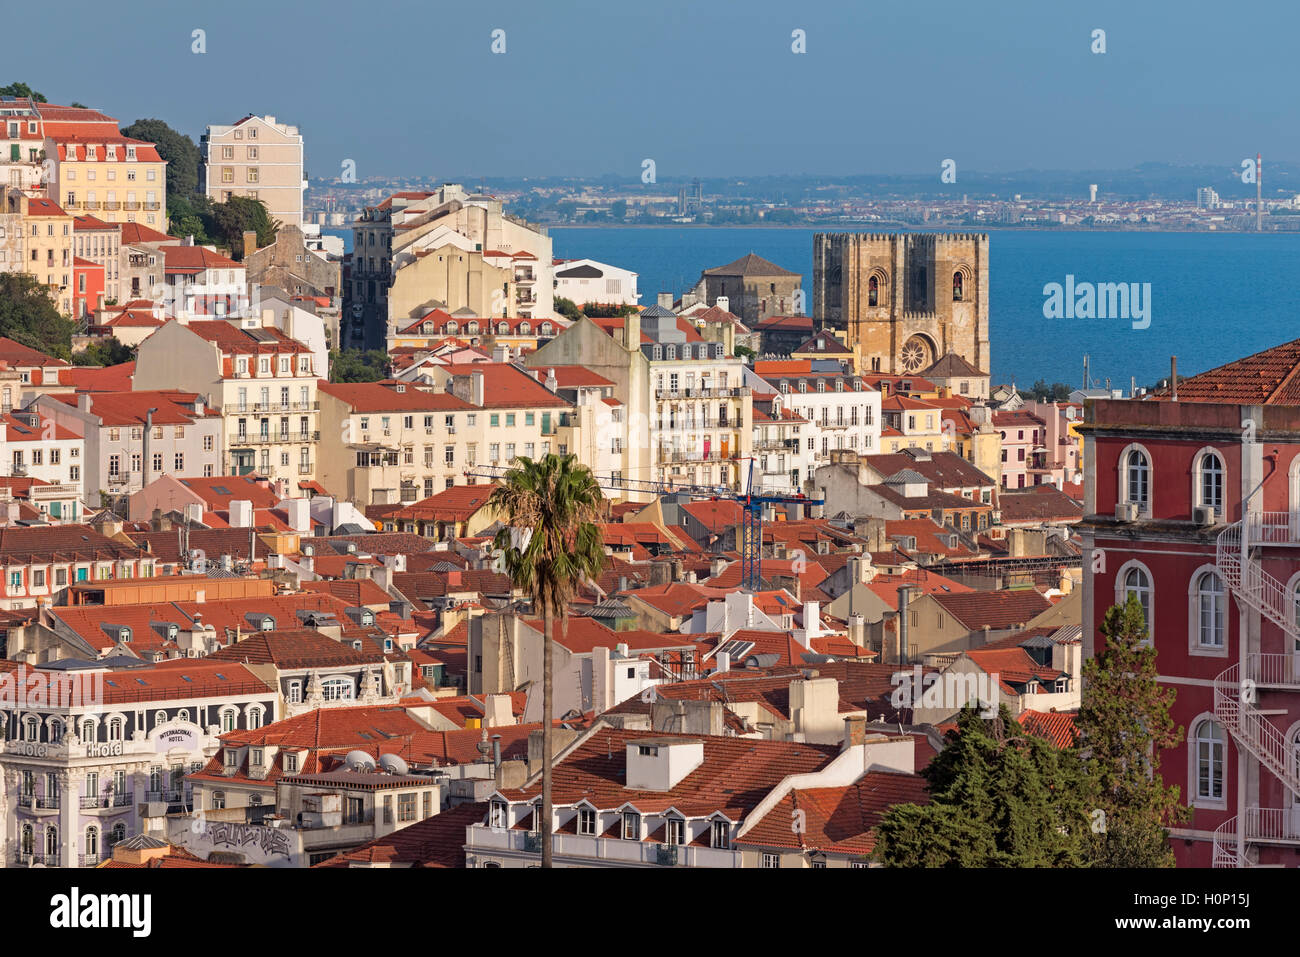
(997, 609)
(836, 820)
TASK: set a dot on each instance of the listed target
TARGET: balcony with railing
(304, 468)
(698, 392)
(106, 801)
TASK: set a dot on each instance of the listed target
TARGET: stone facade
(289, 265)
(904, 300)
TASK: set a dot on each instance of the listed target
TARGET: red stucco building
(1169, 479)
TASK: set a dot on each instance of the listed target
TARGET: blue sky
(706, 88)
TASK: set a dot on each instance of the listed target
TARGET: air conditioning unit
(1204, 515)
(1126, 512)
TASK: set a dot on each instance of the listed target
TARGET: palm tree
(549, 543)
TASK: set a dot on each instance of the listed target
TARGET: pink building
(1024, 456)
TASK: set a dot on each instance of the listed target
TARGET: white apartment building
(701, 413)
(257, 158)
(842, 409)
(37, 447)
(586, 280)
(262, 382)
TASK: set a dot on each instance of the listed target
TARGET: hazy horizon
(591, 90)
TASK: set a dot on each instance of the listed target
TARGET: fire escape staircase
(1236, 688)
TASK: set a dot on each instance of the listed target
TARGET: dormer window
(356, 644)
(803, 385)
(821, 385)
(675, 831)
(720, 835)
(857, 385)
(232, 757)
(631, 826)
(124, 635)
(587, 821)
(367, 616)
(658, 352)
(497, 814)
(388, 644)
(291, 763)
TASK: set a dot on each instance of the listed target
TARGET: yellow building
(98, 170)
(47, 245)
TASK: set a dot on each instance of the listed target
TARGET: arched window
(1138, 584)
(471, 327)
(92, 841)
(51, 843)
(1209, 482)
(451, 327)
(1137, 478)
(31, 728)
(254, 718)
(1210, 602)
(56, 731)
(229, 720)
(525, 328)
(159, 717)
(183, 714)
(547, 328)
(337, 689)
(873, 291)
(28, 840)
(117, 834)
(503, 328)
(1208, 742)
(115, 729)
(87, 731)
(956, 286)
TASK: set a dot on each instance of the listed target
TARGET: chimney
(299, 514)
(858, 630)
(632, 332)
(84, 402)
(812, 624)
(665, 300)
(241, 514)
(723, 659)
(551, 382)
(250, 242)
(723, 303)
(1173, 376)
(855, 730)
(476, 388)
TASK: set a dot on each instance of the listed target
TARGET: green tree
(606, 310)
(357, 366)
(549, 543)
(567, 308)
(1124, 724)
(191, 216)
(22, 89)
(28, 315)
(177, 149)
(998, 798)
(744, 352)
(106, 352)
(618, 210)
(238, 215)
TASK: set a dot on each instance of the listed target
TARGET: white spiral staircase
(1236, 692)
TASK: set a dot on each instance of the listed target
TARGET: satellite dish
(392, 764)
(359, 761)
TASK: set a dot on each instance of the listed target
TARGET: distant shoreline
(884, 228)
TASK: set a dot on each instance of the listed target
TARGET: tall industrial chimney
(1259, 193)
